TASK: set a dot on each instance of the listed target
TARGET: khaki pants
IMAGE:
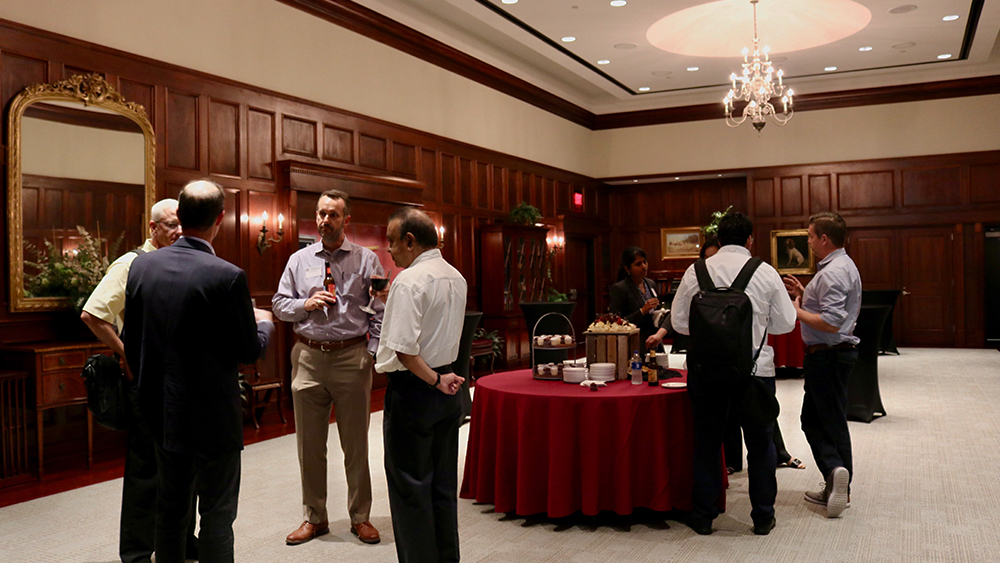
(340, 378)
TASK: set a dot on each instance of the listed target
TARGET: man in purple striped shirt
(332, 363)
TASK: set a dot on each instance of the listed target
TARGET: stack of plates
(574, 374)
(602, 372)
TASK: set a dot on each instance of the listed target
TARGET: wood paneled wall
(235, 134)
(915, 224)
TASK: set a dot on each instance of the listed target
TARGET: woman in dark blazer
(634, 297)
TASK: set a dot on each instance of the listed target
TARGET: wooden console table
(55, 369)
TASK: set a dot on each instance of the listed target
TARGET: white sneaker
(837, 492)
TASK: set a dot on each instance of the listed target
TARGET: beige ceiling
(906, 38)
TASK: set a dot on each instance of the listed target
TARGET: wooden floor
(66, 469)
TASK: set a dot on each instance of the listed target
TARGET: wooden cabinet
(516, 269)
(54, 370)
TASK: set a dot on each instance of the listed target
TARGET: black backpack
(109, 393)
(720, 354)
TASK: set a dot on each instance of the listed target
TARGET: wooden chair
(253, 384)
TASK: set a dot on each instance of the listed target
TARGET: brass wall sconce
(263, 242)
(440, 231)
(555, 243)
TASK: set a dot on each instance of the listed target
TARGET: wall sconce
(555, 243)
(440, 231)
(263, 242)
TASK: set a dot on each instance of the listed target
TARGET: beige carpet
(923, 492)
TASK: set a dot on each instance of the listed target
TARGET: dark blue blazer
(189, 322)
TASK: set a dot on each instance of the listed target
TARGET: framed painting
(682, 242)
(790, 252)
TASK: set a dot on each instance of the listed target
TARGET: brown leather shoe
(307, 531)
(366, 532)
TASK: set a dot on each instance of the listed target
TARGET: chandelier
(756, 87)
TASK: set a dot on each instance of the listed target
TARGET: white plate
(674, 385)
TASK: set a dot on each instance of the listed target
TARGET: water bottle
(636, 369)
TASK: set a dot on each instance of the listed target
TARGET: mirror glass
(84, 187)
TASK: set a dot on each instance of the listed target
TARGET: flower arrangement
(72, 274)
(713, 226)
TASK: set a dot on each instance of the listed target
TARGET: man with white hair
(104, 314)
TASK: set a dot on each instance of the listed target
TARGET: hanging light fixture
(756, 87)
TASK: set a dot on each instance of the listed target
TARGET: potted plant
(72, 274)
(524, 214)
(712, 228)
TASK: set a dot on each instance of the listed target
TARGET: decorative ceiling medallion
(720, 29)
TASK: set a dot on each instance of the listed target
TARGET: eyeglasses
(169, 225)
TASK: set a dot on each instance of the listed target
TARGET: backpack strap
(705, 282)
(746, 273)
(138, 251)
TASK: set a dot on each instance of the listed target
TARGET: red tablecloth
(556, 448)
(788, 348)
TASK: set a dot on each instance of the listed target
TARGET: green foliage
(713, 226)
(72, 274)
(492, 335)
(524, 214)
(554, 295)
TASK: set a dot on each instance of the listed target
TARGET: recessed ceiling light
(509, 1)
(903, 9)
(950, 18)
(568, 39)
(603, 62)
(625, 46)
(692, 68)
(905, 45)
(617, 3)
(644, 89)
(830, 68)
(677, 177)
(635, 181)
(864, 49)
(945, 56)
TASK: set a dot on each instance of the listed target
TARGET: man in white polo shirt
(421, 330)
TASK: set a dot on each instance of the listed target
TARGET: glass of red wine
(378, 284)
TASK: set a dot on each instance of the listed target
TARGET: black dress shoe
(764, 529)
(701, 526)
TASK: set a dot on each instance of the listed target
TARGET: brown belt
(332, 345)
(820, 347)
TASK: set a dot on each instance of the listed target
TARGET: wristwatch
(436, 383)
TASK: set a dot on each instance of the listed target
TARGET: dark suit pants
(215, 477)
(138, 515)
(733, 442)
(824, 408)
(710, 411)
(420, 431)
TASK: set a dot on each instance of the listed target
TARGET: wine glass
(379, 282)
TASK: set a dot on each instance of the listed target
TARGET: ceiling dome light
(568, 39)
(617, 3)
(864, 49)
(603, 62)
(949, 18)
(945, 56)
(644, 89)
(830, 68)
(692, 69)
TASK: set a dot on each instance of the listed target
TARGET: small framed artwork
(682, 242)
(790, 252)
(305, 240)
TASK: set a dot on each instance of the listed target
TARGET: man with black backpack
(728, 304)
(104, 314)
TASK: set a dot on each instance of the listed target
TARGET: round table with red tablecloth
(557, 448)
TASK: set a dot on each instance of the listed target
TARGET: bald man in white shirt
(421, 330)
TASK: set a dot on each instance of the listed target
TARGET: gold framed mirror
(80, 183)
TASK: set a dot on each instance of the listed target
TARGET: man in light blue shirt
(828, 309)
